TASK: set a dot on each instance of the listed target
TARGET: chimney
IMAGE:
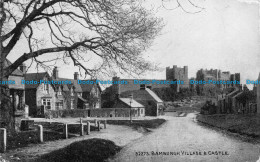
(23, 68)
(55, 73)
(76, 76)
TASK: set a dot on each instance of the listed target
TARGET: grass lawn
(248, 125)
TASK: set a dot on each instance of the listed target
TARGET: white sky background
(224, 36)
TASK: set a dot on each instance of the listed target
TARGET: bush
(94, 150)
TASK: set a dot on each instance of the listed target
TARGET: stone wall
(116, 112)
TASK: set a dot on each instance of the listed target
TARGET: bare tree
(115, 31)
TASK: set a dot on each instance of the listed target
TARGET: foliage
(115, 32)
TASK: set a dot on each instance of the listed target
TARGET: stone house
(137, 109)
(70, 93)
(78, 96)
(66, 94)
(91, 93)
(39, 97)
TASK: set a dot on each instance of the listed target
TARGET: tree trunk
(6, 110)
(7, 119)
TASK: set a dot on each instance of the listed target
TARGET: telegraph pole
(131, 100)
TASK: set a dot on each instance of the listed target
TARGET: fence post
(88, 128)
(80, 120)
(2, 140)
(95, 120)
(81, 129)
(98, 125)
(40, 133)
(105, 124)
(65, 131)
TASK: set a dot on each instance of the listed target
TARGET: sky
(225, 35)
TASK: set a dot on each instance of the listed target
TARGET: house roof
(36, 77)
(74, 84)
(157, 98)
(233, 93)
(88, 87)
(134, 103)
(82, 99)
(17, 72)
(238, 94)
(145, 94)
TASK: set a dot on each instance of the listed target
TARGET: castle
(217, 75)
(172, 74)
(178, 73)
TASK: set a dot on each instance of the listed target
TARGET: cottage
(154, 106)
(238, 101)
(137, 109)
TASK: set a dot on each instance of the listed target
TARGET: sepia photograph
(129, 80)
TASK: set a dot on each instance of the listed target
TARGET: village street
(185, 134)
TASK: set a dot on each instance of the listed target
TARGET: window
(71, 92)
(72, 103)
(59, 92)
(47, 103)
(59, 105)
(142, 111)
(142, 86)
(80, 94)
(46, 88)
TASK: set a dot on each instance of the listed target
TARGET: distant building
(177, 73)
(239, 101)
(216, 75)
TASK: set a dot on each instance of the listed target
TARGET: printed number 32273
(140, 153)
